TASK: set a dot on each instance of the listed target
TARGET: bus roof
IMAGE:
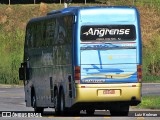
(109, 15)
(89, 11)
(74, 8)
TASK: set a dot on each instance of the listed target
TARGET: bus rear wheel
(120, 111)
(57, 103)
(34, 105)
(90, 111)
(62, 103)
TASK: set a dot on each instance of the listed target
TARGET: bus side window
(56, 32)
(29, 38)
(68, 28)
(50, 33)
(61, 30)
(38, 36)
(41, 34)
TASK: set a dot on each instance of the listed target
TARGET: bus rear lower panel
(105, 94)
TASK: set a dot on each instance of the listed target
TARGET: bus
(83, 58)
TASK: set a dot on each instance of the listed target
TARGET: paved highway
(149, 89)
(12, 99)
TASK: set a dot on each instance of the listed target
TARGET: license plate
(108, 91)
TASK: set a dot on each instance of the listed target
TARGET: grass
(11, 56)
(14, 18)
(150, 102)
(151, 60)
(151, 79)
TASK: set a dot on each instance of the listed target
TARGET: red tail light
(139, 73)
(77, 74)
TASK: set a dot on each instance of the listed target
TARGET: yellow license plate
(109, 92)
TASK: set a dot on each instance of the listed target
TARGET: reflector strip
(139, 73)
(77, 74)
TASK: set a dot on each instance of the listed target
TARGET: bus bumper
(129, 93)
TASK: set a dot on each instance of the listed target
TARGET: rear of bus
(108, 52)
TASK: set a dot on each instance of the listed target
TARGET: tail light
(139, 73)
(77, 74)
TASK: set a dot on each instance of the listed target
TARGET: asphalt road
(12, 99)
(150, 89)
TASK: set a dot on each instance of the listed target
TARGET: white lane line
(16, 97)
(2, 91)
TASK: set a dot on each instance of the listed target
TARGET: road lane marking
(2, 91)
(140, 118)
(107, 117)
(50, 117)
(77, 117)
(16, 97)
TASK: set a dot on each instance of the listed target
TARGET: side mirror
(24, 72)
(21, 73)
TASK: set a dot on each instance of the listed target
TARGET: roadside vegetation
(150, 102)
(13, 19)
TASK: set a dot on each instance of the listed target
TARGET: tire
(57, 103)
(75, 112)
(120, 111)
(66, 111)
(62, 103)
(90, 111)
(34, 105)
